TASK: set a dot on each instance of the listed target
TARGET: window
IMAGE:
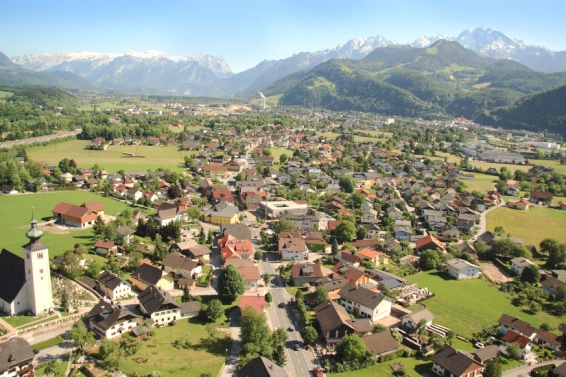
(39, 255)
(41, 270)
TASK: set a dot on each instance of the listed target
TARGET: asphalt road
(299, 362)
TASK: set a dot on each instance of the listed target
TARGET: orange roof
(369, 253)
(429, 239)
(256, 302)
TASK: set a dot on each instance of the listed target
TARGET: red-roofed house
(232, 247)
(376, 257)
(256, 302)
(429, 242)
(78, 216)
(522, 341)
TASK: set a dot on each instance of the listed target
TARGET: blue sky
(245, 32)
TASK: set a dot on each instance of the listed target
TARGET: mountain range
(153, 72)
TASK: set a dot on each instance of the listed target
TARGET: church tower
(38, 275)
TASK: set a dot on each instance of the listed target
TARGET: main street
(300, 361)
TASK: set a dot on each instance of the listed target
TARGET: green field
(276, 152)
(468, 306)
(112, 159)
(4, 95)
(532, 226)
(203, 355)
(14, 226)
(481, 182)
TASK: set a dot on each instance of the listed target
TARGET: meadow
(112, 159)
(16, 215)
(199, 353)
(481, 182)
(532, 226)
(468, 306)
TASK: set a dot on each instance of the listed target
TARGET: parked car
(291, 329)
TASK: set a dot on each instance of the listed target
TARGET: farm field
(200, 355)
(532, 226)
(469, 305)
(14, 227)
(112, 159)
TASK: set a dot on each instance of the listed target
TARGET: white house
(518, 265)
(411, 321)
(460, 269)
(364, 302)
(113, 287)
(110, 321)
(180, 265)
(159, 305)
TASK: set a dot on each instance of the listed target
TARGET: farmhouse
(146, 275)
(541, 197)
(16, 358)
(112, 286)
(159, 306)
(335, 322)
(109, 321)
(507, 323)
(180, 265)
(78, 216)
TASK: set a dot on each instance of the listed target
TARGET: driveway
(233, 358)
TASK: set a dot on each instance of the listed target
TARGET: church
(25, 284)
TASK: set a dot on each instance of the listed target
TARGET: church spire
(33, 233)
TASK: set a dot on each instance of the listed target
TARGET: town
(171, 239)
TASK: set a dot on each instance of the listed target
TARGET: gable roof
(12, 270)
(381, 342)
(261, 367)
(516, 324)
(13, 352)
(331, 315)
(105, 315)
(109, 279)
(310, 270)
(455, 361)
(152, 299)
(362, 296)
(178, 260)
(419, 315)
(422, 242)
(147, 274)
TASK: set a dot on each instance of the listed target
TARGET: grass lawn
(22, 321)
(112, 160)
(532, 226)
(201, 354)
(276, 152)
(4, 95)
(47, 343)
(14, 227)
(467, 306)
(415, 366)
(481, 182)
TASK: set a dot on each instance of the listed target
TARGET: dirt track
(494, 274)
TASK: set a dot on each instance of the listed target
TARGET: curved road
(483, 220)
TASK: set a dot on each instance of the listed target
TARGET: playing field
(113, 159)
(532, 226)
(17, 209)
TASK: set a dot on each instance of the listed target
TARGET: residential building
(77, 216)
(518, 265)
(179, 265)
(251, 277)
(147, 275)
(429, 242)
(159, 306)
(461, 269)
(335, 322)
(448, 361)
(411, 321)
(517, 325)
(293, 249)
(364, 302)
(16, 358)
(541, 197)
(306, 273)
(381, 344)
(110, 321)
(112, 286)
(222, 213)
(261, 367)
(257, 302)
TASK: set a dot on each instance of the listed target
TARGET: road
(524, 371)
(299, 362)
(483, 219)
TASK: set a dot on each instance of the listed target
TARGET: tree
(283, 158)
(377, 328)
(194, 213)
(334, 246)
(353, 348)
(499, 231)
(256, 339)
(531, 274)
(514, 350)
(186, 294)
(345, 231)
(362, 233)
(268, 297)
(556, 252)
(109, 354)
(209, 237)
(266, 278)
(201, 237)
(71, 265)
(284, 225)
(429, 260)
(347, 184)
(257, 255)
(159, 250)
(64, 300)
(492, 368)
(98, 227)
(230, 284)
(55, 368)
(129, 345)
(214, 310)
(320, 294)
(279, 357)
(81, 335)
(309, 334)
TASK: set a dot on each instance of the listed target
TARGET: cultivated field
(468, 306)
(532, 226)
(200, 354)
(112, 159)
(16, 210)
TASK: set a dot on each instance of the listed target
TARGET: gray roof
(147, 274)
(261, 367)
(223, 209)
(240, 231)
(454, 361)
(14, 352)
(109, 279)
(362, 296)
(331, 315)
(460, 264)
(153, 299)
(105, 315)
(382, 342)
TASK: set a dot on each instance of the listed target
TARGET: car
(297, 346)
(281, 305)
(290, 329)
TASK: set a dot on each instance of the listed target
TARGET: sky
(246, 32)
